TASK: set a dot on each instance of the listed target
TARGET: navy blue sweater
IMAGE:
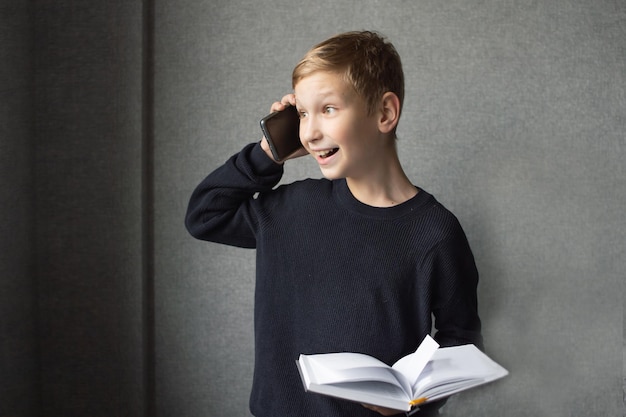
(334, 274)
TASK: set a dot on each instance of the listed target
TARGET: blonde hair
(369, 63)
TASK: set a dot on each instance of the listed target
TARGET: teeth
(326, 153)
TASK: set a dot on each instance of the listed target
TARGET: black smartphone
(282, 131)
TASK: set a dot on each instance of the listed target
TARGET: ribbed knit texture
(334, 274)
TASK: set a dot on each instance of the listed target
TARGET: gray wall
(111, 112)
(514, 118)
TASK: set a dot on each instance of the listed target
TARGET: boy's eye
(329, 109)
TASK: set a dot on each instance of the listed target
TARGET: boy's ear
(390, 112)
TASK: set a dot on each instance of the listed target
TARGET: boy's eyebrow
(322, 95)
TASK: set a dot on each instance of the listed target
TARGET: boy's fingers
(287, 100)
(277, 106)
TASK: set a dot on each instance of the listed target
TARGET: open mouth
(327, 153)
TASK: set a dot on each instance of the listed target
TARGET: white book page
(456, 364)
(411, 366)
(335, 368)
(373, 392)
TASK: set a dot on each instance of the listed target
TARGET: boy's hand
(287, 100)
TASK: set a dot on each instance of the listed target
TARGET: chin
(331, 175)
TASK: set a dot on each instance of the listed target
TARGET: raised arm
(221, 207)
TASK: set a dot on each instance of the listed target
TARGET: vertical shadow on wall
(147, 170)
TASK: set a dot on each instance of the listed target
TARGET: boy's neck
(385, 187)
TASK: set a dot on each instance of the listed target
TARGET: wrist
(266, 148)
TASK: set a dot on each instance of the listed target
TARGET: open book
(428, 374)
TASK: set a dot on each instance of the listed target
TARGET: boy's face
(335, 126)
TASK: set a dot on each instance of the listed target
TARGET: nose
(309, 130)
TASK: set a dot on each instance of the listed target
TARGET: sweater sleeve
(455, 279)
(221, 207)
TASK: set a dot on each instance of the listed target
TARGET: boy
(357, 261)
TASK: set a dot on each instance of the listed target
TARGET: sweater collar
(345, 198)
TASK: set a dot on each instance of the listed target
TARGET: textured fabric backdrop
(514, 118)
